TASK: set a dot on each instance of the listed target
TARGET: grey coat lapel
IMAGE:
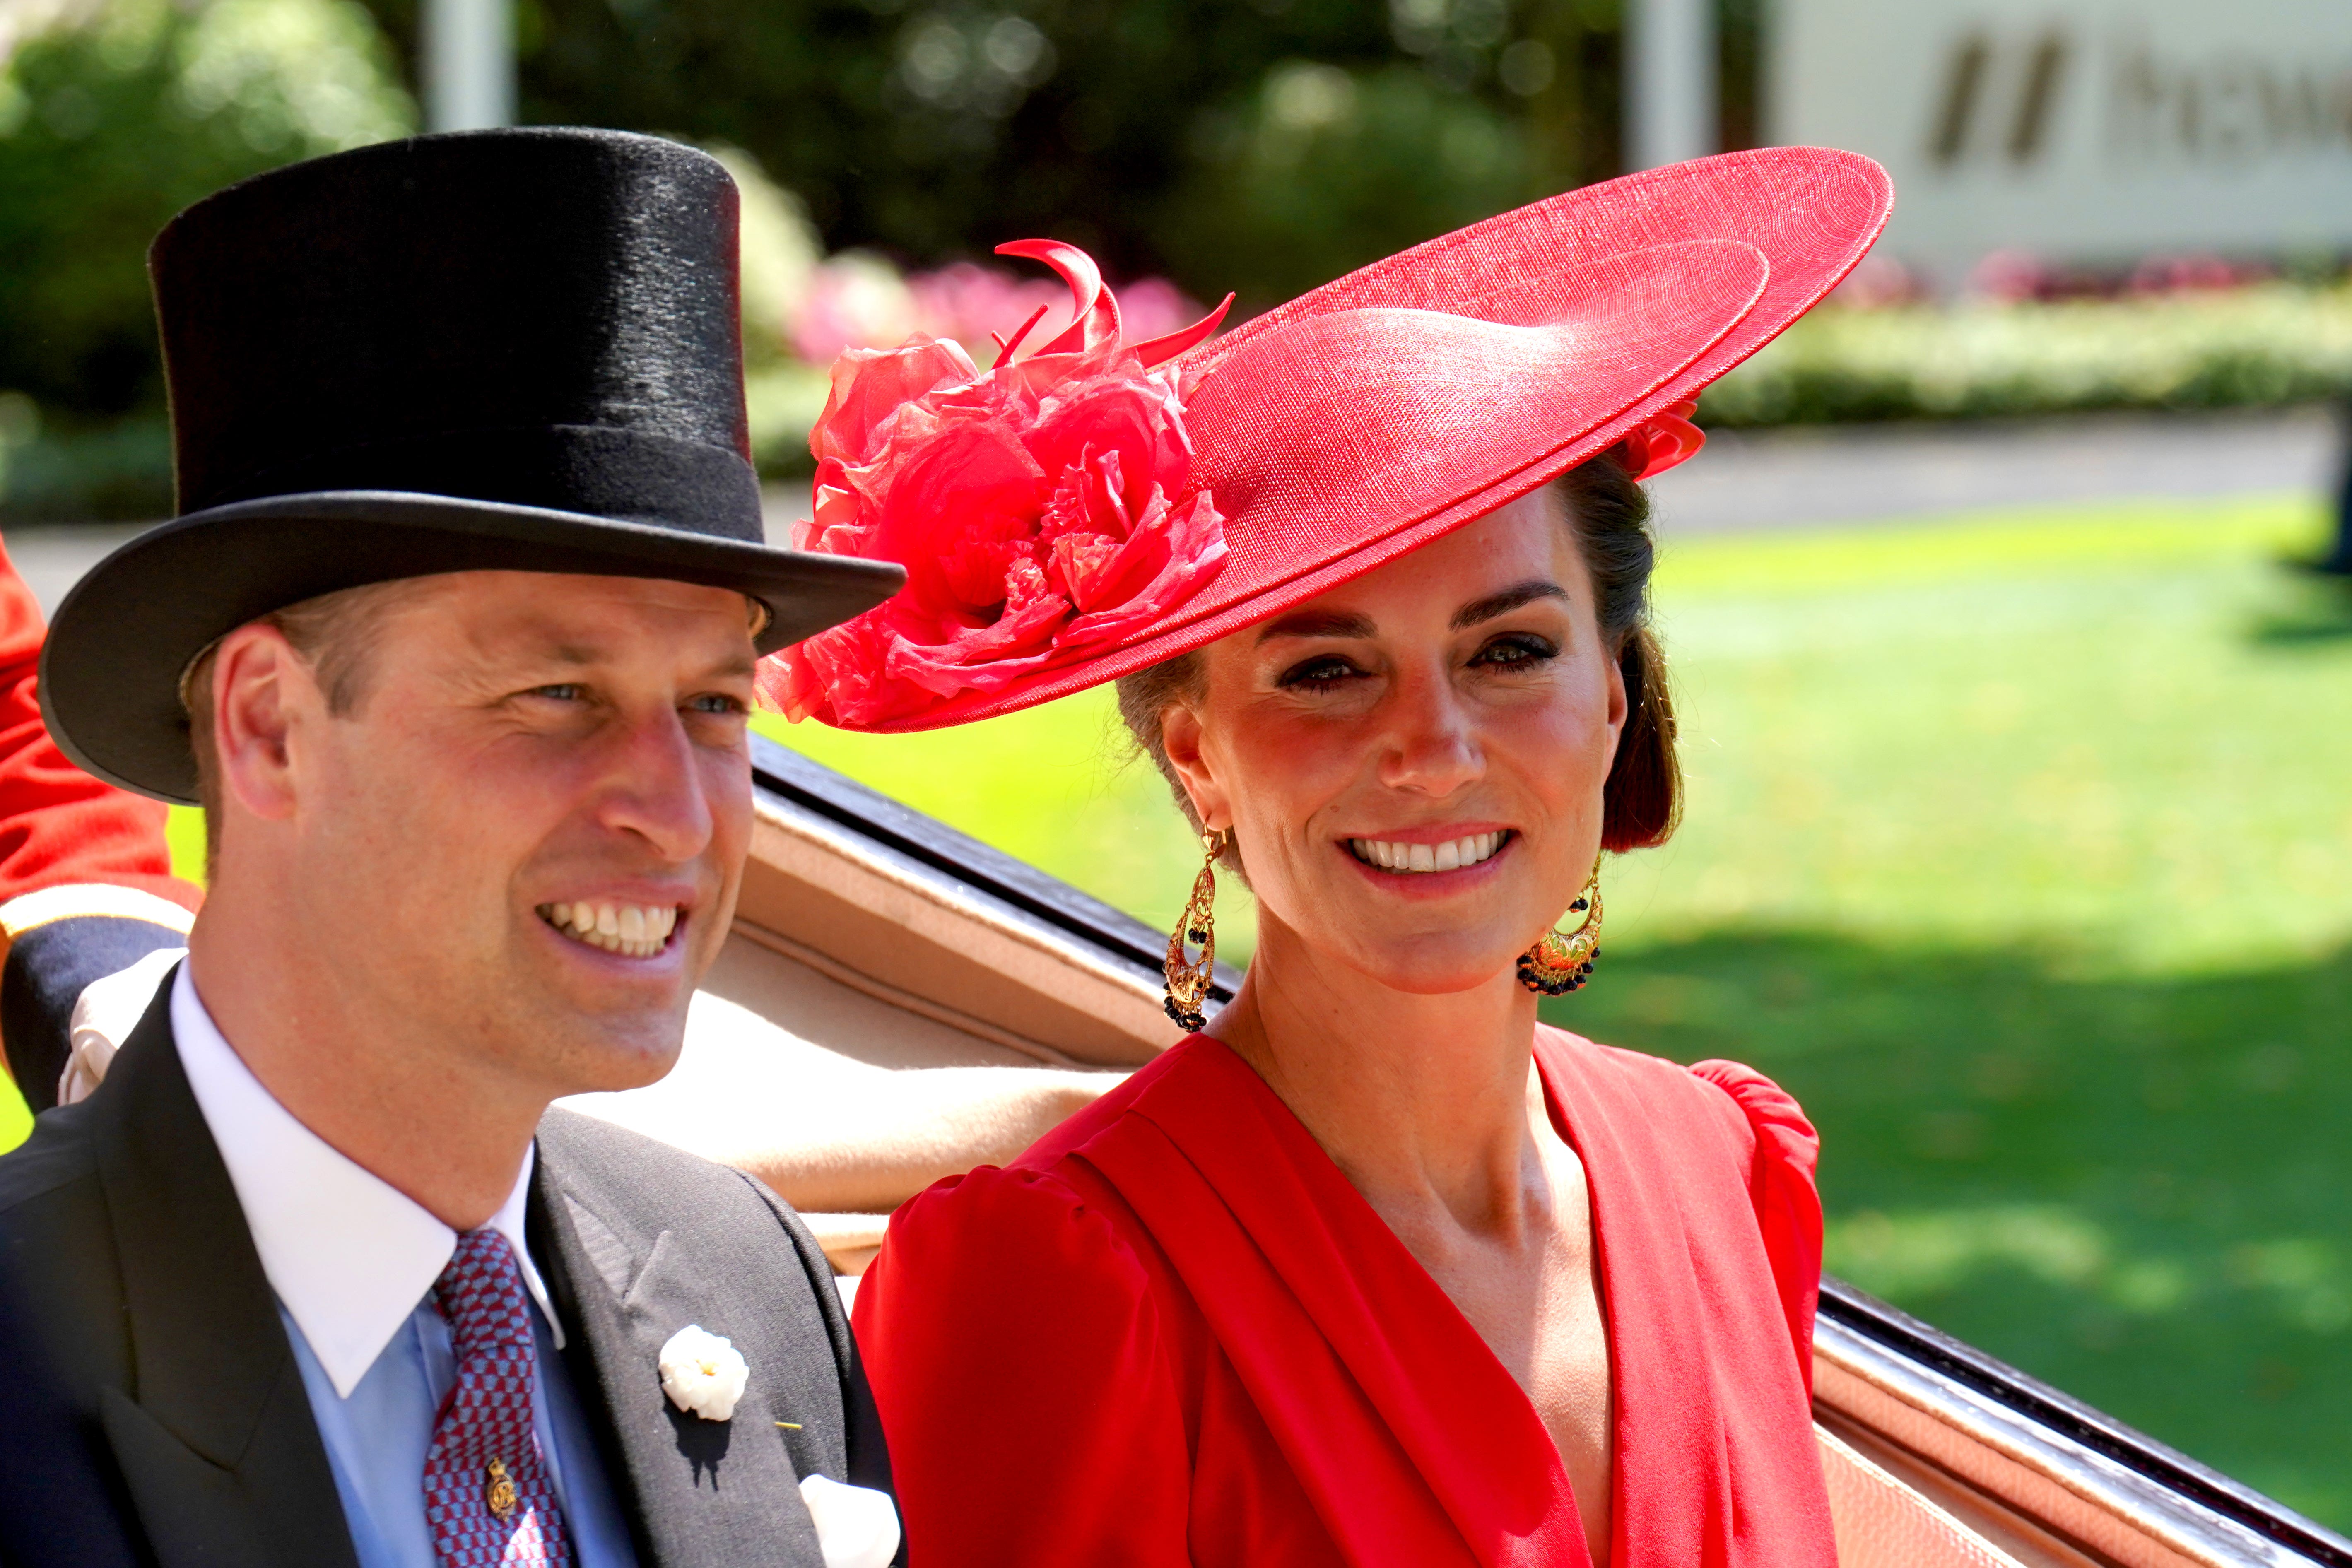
(214, 1436)
(703, 1493)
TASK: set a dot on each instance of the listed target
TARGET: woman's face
(1412, 764)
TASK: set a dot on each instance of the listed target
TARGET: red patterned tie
(486, 1493)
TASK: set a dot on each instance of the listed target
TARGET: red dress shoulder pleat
(1174, 1333)
(1715, 1458)
(1781, 1186)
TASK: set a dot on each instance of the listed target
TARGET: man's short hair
(334, 634)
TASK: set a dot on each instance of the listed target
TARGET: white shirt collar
(350, 1255)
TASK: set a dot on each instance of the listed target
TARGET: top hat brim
(120, 641)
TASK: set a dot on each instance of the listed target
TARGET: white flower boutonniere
(703, 1372)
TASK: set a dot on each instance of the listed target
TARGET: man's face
(522, 847)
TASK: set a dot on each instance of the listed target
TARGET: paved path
(49, 557)
(1786, 479)
(1878, 473)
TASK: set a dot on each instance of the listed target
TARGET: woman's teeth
(1449, 856)
(632, 930)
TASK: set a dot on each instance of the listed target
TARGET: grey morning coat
(150, 1412)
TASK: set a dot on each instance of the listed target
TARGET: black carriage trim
(2172, 1473)
(931, 844)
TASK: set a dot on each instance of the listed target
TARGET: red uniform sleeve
(1780, 1184)
(85, 883)
(1029, 1405)
(58, 825)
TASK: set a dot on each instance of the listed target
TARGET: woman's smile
(1425, 852)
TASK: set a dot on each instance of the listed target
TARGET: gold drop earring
(1562, 961)
(1189, 979)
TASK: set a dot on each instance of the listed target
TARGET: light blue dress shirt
(376, 1442)
(353, 1264)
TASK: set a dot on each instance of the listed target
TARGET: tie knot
(480, 1292)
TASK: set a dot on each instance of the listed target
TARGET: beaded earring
(1189, 978)
(1561, 962)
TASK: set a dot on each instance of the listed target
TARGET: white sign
(2090, 132)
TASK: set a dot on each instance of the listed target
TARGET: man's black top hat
(500, 350)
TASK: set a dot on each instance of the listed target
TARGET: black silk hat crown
(504, 350)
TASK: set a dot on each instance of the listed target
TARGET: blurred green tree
(1257, 145)
(110, 125)
(1321, 168)
(110, 122)
(1164, 135)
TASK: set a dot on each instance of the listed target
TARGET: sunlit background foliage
(112, 119)
(1199, 147)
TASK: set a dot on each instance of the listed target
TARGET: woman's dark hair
(1610, 513)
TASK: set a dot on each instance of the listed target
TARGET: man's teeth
(632, 930)
(1448, 856)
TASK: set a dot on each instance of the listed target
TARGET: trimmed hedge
(2266, 344)
(120, 470)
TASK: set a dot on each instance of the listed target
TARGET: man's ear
(261, 688)
(1180, 738)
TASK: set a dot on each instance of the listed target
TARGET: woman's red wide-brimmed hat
(1095, 507)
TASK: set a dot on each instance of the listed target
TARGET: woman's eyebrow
(1504, 603)
(1317, 624)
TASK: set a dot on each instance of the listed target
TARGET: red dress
(1172, 1334)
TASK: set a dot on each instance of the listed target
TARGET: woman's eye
(563, 691)
(1515, 651)
(1320, 673)
(718, 702)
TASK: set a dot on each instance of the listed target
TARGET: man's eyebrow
(1504, 603)
(1317, 624)
(740, 666)
(580, 656)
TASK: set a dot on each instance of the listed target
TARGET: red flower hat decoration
(1662, 441)
(1042, 507)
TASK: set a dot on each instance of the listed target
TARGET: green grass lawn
(2019, 848)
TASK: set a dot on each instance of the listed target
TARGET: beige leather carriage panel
(820, 901)
(850, 1015)
(1884, 1521)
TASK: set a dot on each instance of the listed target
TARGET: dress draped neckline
(1414, 1441)
(1237, 1301)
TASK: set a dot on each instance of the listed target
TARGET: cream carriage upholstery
(953, 1003)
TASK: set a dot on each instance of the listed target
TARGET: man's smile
(632, 930)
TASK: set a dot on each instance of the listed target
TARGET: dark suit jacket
(150, 1412)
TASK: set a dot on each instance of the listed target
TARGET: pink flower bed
(859, 304)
